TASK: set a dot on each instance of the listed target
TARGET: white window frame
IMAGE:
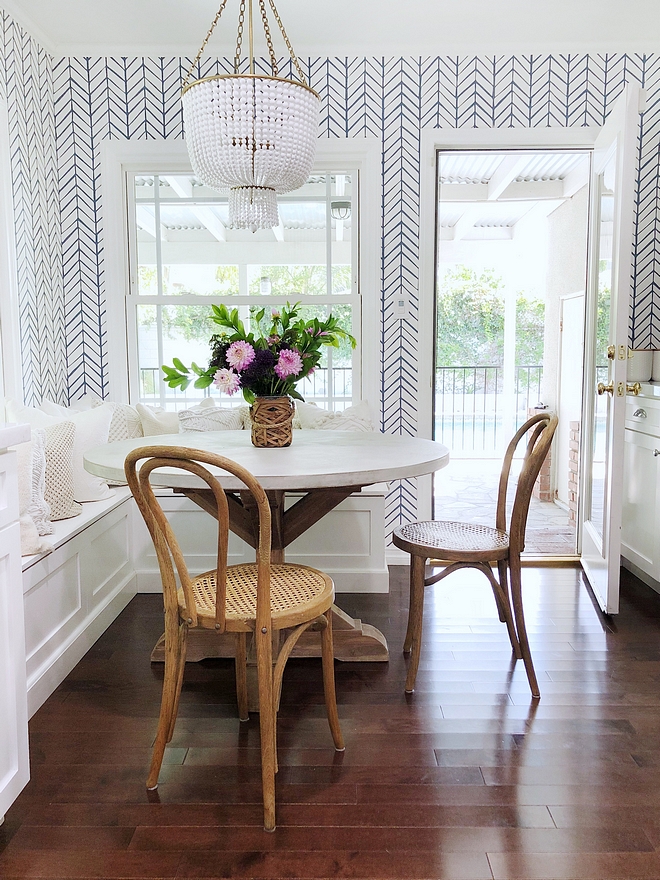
(171, 156)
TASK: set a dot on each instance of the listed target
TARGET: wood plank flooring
(465, 780)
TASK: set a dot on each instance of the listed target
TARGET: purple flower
(240, 355)
(274, 313)
(289, 363)
(263, 363)
(227, 381)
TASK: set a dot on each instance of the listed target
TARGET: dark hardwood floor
(465, 779)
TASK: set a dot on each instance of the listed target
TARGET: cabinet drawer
(643, 414)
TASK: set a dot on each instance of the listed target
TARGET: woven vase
(271, 421)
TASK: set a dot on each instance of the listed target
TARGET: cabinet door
(639, 537)
(14, 766)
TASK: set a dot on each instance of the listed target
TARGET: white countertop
(12, 433)
(315, 459)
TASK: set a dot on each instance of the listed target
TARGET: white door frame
(462, 139)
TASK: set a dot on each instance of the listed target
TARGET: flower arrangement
(269, 363)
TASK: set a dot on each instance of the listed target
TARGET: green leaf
(203, 381)
(179, 365)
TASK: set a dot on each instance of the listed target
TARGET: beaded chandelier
(251, 134)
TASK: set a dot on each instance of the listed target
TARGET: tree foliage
(470, 321)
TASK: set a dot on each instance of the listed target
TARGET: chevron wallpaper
(82, 101)
(27, 85)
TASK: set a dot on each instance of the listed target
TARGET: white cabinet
(640, 530)
(14, 764)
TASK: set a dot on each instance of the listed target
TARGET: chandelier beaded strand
(251, 135)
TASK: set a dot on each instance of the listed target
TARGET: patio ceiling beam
(519, 191)
(206, 216)
(146, 221)
(505, 173)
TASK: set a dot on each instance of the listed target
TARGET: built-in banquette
(103, 556)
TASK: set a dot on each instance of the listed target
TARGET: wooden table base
(353, 640)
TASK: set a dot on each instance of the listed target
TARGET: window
(182, 257)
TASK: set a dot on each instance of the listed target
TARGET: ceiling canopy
(348, 27)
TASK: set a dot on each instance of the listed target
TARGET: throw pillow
(60, 439)
(125, 423)
(157, 421)
(212, 418)
(30, 463)
(91, 429)
(38, 509)
(353, 418)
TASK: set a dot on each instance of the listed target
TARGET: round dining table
(323, 467)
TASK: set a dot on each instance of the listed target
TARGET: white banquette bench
(103, 556)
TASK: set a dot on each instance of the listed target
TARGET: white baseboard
(395, 556)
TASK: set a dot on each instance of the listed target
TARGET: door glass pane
(603, 401)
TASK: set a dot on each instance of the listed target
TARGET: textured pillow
(125, 423)
(33, 510)
(157, 421)
(353, 418)
(212, 418)
(60, 438)
(38, 509)
(91, 429)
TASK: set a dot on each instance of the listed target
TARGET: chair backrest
(139, 465)
(541, 429)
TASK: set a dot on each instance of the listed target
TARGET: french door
(607, 310)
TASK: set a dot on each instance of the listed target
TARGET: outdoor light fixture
(251, 134)
(340, 210)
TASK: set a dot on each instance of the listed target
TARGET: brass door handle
(602, 388)
(633, 388)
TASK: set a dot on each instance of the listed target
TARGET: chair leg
(516, 599)
(266, 725)
(183, 641)
(412, 606)
(328, 660)
(241, 676)
(175, 659)
(415, 616)
(506, 615)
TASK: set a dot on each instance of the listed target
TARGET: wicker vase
(271, 421)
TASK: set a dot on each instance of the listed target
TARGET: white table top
(315, 459)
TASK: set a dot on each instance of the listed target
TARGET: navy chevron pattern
(61, 112)
(28, 87)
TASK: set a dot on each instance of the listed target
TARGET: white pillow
(212, 418)
(91, 429)
(157, 421)
(125, 424)
(353, 418)
(60, 439)
(33, 510)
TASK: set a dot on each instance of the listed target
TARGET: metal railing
(469, 411)
(315, 389)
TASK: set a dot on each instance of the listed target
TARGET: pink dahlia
(227, 381)
(240, 355)
(289, 363)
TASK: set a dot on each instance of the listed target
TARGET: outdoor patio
(467, 490)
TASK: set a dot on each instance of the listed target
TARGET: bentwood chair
(257, 599)
(469, 545)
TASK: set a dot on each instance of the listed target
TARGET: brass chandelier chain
(239, 36)
(239, 40)
(206, 39)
